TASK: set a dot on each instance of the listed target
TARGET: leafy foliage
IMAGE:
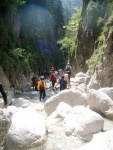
(95, 58)
(69, 42)
(6, 3)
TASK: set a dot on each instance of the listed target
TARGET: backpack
(53, 77)
(42, 84)
(68, 68)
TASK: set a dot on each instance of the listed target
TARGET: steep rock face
(10, 74)
(96, 38)
(16, 78)
(88, 33)
(4, 79)
(9, 26)
(104, 72)
(14, 20)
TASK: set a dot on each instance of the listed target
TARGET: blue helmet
(60, 70)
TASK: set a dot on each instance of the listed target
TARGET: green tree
(69, 42)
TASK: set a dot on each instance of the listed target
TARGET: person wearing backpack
(42, 88)
(68, 70)
(4, 95)
(62, 81)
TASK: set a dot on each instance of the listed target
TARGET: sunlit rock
(80, 74)
(101, 141)
(108, 91)
(87, 77)
(27, 130)
(58, 116)
(109, 113)
(56, 130)
(79, 78)
(5, 122)
(94, 83)
(72, 97)
(63, 109)
(13, 109)
(99, 101)
(81, 87)
(83, 123)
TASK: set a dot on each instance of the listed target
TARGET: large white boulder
(83, 123)
(72, 97)
(99, 102)
(80, 74)
(79, 78)
(79, 122)
(27, 130)
(63, 109)
(58, 116)
(94, 83)
(57, 139)
(101, 141)
(108, 91)
(5, 122)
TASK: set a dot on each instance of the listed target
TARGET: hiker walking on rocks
(53, 79)
(42, 88)
(34, 81)
(62, 81)
(68, 70)
(4, 95)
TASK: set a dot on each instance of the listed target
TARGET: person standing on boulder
(3, 95)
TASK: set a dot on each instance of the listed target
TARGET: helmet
(60, 70)
(42, 77)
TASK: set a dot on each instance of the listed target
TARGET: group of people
(61, 77)
(64, 78)
(39, 84)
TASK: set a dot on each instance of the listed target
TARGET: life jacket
(42, 84)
